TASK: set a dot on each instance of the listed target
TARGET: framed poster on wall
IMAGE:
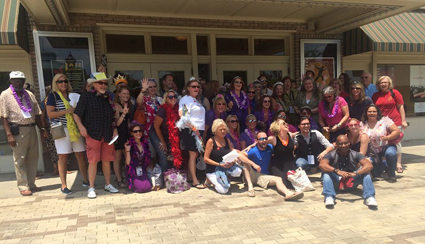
(322, 57)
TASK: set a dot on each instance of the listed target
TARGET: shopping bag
(176, 181)
(300, 180)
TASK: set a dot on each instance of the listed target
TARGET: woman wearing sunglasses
(265, 113)
(282, 115)
(334, 113)
(137, 159)
(60, 109)
(253, 97)
(248, 136)
(192, 126)
(357, 101)
(234, 133)
(218, 111)
(237, 100)
(164, 135)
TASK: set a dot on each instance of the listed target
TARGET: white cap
(17, 75)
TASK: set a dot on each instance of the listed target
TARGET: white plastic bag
(200, 164)
(300, 180)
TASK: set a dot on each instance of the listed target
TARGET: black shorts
(187, 140)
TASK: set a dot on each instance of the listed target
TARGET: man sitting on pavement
(259, 157)
(347, 169)
(20, 113)
(311, 146)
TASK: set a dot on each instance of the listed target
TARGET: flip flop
(294, 196)
(199, 186)
(400, 169)
(251, 193)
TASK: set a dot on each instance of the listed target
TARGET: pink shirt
(338, 116)
(380, 129)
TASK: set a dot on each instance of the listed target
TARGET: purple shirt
(210, 117)
(245, 137)
(240, 113)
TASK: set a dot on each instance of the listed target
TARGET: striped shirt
(56, 101)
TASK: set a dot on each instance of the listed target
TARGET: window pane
(275, 47)
(67, 55)
(204, 71)
(229, 75)
(125, 44)
(273, 76)
(169, 45)
(232, 46)
(133, 78)
(202, 45)
(4, 80)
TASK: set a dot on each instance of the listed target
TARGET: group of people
(273, 130)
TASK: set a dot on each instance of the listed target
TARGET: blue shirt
(261, 158)
(370, 90)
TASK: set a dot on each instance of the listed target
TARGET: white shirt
(196, 111)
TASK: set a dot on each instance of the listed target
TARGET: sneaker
(392, 179)
(86, 184)
(111, 189)
(91, 193)
(66, 191)
(370, 202)
(329, 201)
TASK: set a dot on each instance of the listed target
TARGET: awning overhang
(9, 22)
(403, 33)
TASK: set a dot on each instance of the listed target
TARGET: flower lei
(173, 133)
(335, 108)
(137, 159)
(240, 100)
(107, 96)
(269, 120)
(249, 133)
(150, 110)
(25, 95)
(235, 138)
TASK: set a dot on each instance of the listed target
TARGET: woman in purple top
(218, 111)
(265, 114)
(233, 134)
(248, 136)
(237, 99)
(334, 113)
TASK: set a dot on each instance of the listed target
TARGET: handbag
(299, 180)
(200, 162)
(139, 115)
(396, 140)
(176, 181)
(57, 130)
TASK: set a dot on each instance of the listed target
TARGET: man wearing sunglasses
(95, 118)
(312, 146)
(259, 158)
(369, 87)
(347, 169)
(264, 83)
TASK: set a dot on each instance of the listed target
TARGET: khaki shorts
(259, 179)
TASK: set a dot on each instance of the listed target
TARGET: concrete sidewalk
(203, 216)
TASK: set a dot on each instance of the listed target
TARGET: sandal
(122, 184)
(199, 186)
(251, 193)
(294, 196)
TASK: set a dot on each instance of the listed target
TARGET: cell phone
(14, 129)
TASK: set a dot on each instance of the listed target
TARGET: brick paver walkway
(203, 216)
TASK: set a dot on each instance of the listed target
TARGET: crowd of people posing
(273, 128)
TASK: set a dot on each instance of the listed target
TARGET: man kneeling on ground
(347, 169)
(259, 158)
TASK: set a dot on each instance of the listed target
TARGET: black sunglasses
(102, 83)
(262, 139)
(251, 92)
(195, 87)
(355, 88)
(137, 131)
(234, 121)
(62, 81)
(171, 97)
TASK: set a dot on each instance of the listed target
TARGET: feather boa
(182, 124)
(137, 159)
(173, 134)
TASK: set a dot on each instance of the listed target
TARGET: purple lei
(247, 131)
(240, 100)
(25, 96)
(335, 108)
(269, 119)
(137, 159)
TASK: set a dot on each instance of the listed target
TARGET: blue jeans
(331, 180)
(390, 154)
(303, 163)
(162, 160)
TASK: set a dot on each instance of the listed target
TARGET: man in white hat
(20, 113)
(95, 118)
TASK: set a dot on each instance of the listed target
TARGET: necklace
(25, 96)
(235, 137)
(250, 134)
(335, 108)
(284, 142)
(240, 100)
(269, 119)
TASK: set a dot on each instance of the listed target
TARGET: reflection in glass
(125, 44)
(273, 76)
(178, 77)
(202, 45)
(204, 71)
(232, 46)
(275, 47)
(67, 55)
(229, 75)
(133, 78)
(169, 45)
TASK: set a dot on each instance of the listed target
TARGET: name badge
(310, 159)
(26, 115)
(139, 171)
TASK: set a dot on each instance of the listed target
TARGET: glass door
(134, 72)
(273, 72)
(226, 72)
(181, 73)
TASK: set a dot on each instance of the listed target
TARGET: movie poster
(323, 68)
